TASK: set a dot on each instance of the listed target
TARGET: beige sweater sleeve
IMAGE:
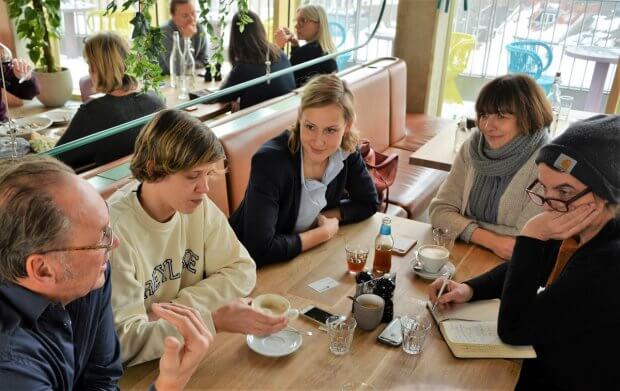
(447, 209)
(231, 272)
(140, 339)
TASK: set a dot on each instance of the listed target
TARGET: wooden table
(230, 364)
(438, 152)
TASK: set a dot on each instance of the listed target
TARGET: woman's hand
(239, 316)
(22, 69)
(283, 36)
(453, 293)
(329, 225)
(560, 225)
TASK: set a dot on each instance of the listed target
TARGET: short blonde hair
(316, 13)
(321, 91)
(171, 142)
(105, 54)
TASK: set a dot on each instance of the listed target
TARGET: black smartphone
(316, 314)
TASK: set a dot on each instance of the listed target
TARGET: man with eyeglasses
(559, 291)
(56, 324)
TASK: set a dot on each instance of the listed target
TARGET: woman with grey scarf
(483, 199)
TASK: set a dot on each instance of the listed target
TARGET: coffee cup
(274, 305)
(368, 311)
(433, 257)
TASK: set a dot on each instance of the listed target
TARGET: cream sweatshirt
(194, 259)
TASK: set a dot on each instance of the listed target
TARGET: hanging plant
(143, 63)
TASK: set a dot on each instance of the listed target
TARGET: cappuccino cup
(433, 257)
(274, 305)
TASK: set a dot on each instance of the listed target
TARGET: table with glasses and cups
(347, 356)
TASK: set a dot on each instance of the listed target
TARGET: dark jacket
(101, 114)
(26, 90)
(243, 72)
(308, 52)
(265, 220)
(573, 323)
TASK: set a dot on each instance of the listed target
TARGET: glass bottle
(176, 60)
(190, 64)
(554, 99)
(383, 249)
(461, 133)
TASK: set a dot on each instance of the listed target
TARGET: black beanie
(589, 150)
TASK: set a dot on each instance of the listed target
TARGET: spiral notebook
(470, 330)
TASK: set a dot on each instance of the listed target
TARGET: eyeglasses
(302, 21)
(555, 203)
(106, 242)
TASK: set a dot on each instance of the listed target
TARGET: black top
(28, 89)
(101, 114)
(308, 52)
(265, 220)
(243, 72)
(44, 346)
(573, 323)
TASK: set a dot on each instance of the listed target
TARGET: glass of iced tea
(356, 257)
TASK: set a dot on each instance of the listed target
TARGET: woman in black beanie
(559, 290)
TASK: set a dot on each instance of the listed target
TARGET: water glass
(340, 332)
(566, 103)
(414, 328)
(356, 257)
(444, 238)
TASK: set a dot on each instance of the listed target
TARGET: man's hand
(330, 225)
(454, 293)
(179, 362)
(239, 317)
(188, 31)
(560, 226)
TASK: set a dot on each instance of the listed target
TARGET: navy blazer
(265, 220)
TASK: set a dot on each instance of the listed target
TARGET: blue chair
(339, 35)
(527, 57)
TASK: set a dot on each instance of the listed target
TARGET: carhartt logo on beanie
(589, 150)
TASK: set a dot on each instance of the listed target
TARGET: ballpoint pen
(446, 277)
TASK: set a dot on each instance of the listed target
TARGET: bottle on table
(177, 68)
(383, 249)
(554, 96)
(461, 133)
(190, 64)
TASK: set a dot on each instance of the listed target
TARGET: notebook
(470, 330)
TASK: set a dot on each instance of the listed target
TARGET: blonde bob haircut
(321, 91)
(316, 13)
(171, 142)
(105, 54)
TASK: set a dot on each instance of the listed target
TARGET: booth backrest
(379, 88)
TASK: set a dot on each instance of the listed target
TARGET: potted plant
(143, 60)
(38, 22)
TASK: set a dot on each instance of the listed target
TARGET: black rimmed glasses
(106, 242)
(556, 204)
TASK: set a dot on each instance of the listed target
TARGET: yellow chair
(119, 22)
(461, 46)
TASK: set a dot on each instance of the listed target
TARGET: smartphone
(402, 244)
(392, 334)
(315, 314)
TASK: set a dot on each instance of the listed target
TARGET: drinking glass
(357, 386)
(356, 257)
(415, 329)
(340, 332)
(566, 103)
(444, 238)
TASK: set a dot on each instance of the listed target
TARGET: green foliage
(37, 22)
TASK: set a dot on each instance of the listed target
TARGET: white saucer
(60, 116)
(447, 268)
(279, 344)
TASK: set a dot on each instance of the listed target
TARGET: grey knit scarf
(494, 169)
